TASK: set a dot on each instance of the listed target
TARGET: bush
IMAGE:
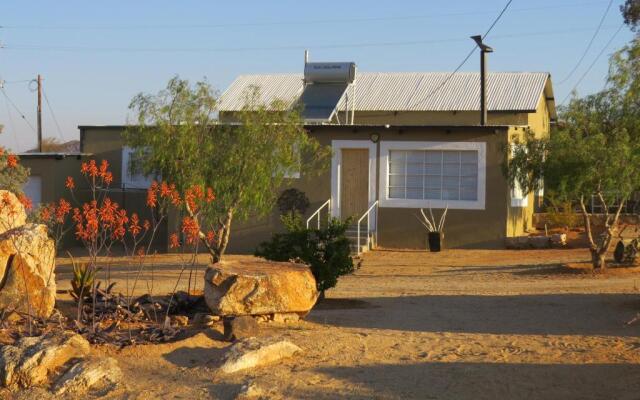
(562, 215)
(292, 201)
(325, 250)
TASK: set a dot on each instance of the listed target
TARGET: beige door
(354, 182)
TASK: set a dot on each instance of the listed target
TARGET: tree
(178, 136)
(594, 153)
(631, 13)
(12, 175)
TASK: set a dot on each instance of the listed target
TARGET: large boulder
(259, 287)
(27, 262)
(12, 212)
(87, 374)
(33, 359)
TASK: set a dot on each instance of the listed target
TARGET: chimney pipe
(484, 49)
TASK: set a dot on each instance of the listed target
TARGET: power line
(55, 120)
(289, 22)
(17, 109)
(606, 46)
(586, 50)
(13, 126)
(464, 61)
(19, 81)
(289, 47)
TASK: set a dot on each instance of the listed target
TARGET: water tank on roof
(330, 72)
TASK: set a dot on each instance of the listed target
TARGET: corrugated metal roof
(404, 91)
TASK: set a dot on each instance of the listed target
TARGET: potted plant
(435, 231)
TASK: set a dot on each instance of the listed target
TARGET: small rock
(204, 319)
(539, 242)
(13, 317)
(179, 320)
(253, 352)
(249, 390)
(262, 318)
(559, 239)
(285, 317)
(87, 374)
(31, 360)
(240, 328)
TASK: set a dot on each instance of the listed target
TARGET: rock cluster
(259, 287)
(57, 360)
(27, 262)
(536, 242)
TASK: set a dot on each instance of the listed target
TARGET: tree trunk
(598, 259)
(223, 238)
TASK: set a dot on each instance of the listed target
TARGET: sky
(95, 56)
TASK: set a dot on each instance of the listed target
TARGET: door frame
(336, 164)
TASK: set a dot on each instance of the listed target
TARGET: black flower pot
(435, 241)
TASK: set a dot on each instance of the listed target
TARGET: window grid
(403, 171)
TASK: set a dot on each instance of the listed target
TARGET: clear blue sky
(95, 56)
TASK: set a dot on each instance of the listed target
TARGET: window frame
(387, 146)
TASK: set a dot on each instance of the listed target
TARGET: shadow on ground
(483, 381)
(556, 314)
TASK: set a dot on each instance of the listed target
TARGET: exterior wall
(520, 219)
(106, 143)
(422, 118)
(439, 118)
(397, 227)
(539, 122)
(53, 173)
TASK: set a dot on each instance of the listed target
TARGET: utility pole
(39, 113)
(484, 49)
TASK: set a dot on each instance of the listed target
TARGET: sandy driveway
(458, 325)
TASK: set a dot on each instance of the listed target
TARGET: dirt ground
(462, 324)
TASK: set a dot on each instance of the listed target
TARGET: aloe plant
(83, 279)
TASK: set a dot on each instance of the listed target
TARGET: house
(400, 141)
(405, 141)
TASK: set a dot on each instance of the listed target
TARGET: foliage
(177, 136)
(325, 250)
(12, 175)
(54, 217)
(292, 201)
(631, 13)
(562, 215)
(429, 221)
(595, 151)
(83, 281)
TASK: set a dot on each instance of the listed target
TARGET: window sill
(451, 204)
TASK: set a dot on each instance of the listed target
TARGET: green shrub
(82, 281)
(326, 251)
(562, 215)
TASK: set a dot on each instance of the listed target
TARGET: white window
(132, 175)
(433, 174)
(518, 198)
